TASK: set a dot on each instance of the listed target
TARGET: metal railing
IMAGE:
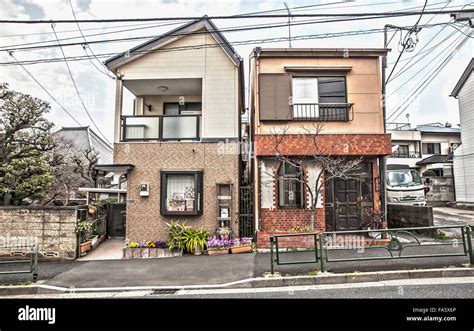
(406, 154)
(327, 112)
(388, 240)
(33, 261)
(161, 127)
(274, 247)
(398, 126)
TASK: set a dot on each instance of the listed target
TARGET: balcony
(406, 154)
(161, 128)
(324, 112)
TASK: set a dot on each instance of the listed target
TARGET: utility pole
(289, 24)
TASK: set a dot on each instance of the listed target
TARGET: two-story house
(174, 140)
(464, 155)
(292, 91)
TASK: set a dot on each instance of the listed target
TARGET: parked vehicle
(404, 185)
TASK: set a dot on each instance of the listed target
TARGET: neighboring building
(85, 138)
(292, 89)
(464, 154)
(179, 141)
(428, 148)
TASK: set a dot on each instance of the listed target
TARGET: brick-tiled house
(187, 101)
(291, 90)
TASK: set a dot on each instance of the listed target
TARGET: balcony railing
(339, 112)
(406, 154)
(162, 127)
(398, 126)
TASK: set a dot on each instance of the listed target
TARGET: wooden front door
(347, 206)
(116, 220)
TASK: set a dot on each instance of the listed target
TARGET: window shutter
(274, 96)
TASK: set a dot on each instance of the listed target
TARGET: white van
(404, 185)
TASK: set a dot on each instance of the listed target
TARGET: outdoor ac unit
(413, 155)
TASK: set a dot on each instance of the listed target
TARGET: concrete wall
(407, 216)
(144, 221)
(441, 190)
(51, 227)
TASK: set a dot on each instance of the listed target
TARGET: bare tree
(331, 166)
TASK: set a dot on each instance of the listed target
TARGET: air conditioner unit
(412, 155)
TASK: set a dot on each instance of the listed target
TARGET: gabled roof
(186, 29)
(436, 159)
(463, 79)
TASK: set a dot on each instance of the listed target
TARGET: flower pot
(241, 249)
(94, 240)
(217, 251)
(85, 247)
(198, 250)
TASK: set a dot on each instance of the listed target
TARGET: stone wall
(51, 227)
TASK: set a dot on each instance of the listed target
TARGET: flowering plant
(214, 243)
(148, 244)
(223, 232)
(244, 241)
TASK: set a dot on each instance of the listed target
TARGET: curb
(259, 282)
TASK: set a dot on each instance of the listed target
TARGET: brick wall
(144, 221)
(51, 227)
(332, 144)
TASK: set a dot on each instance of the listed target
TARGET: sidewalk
(207, 270)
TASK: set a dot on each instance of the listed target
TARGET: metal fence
(33, 261)
(393, 242)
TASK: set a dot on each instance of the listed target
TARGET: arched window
(290, 186)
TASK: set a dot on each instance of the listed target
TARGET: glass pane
(305, 90)
(142, 127)
(332, 87)
(180, 193)
(171, 108)
(179, 127)
(367, 194)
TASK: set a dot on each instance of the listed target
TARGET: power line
(406, 41)
(47, 92)
(201, 46)
(224, 17)
(427, 81)
(77, 90)
(84, 47)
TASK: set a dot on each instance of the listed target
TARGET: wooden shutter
(274, 96)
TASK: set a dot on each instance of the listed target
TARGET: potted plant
(241, 245)
(177, 236)
(217, 246)
(83, 229)
(195, 241)
(374, 220)
(223, 232)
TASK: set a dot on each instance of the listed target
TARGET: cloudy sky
(97, 88)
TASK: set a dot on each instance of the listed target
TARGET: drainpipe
(383, 159)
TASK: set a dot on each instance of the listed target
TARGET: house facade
(464, 155)
(293, 91)
(427, 148)
(178, 140)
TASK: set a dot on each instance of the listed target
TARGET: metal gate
(246, 218)
(116, 220)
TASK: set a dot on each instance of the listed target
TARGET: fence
(33, 268)
(393, 242)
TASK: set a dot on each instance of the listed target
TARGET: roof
(84, 137)
(321, 52)
(427, 128)
(465, 75)
(166, 38)
(436, 159)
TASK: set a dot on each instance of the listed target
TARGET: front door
(347, 207)
(116, 220)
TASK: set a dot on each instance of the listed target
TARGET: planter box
(217, 251)
(145, 253)
(241, 249)
(94, 241)
(85, 247)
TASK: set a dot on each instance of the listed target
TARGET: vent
(18, 253)
(50, 254)
(165, 291)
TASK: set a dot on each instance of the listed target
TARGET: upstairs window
(290, 186)
(431, 148)
(175, 108)
(319, 97)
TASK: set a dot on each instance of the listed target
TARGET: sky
(98, 89)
